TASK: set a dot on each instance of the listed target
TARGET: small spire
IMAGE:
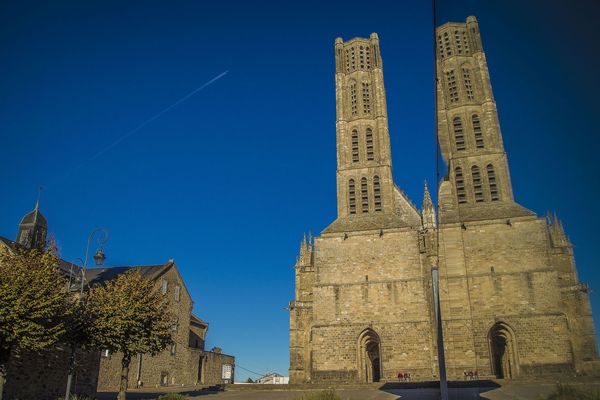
(427, 211)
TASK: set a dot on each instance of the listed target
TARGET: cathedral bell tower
(478, 182)
(367, 197)
(33, 229)
(364, 165)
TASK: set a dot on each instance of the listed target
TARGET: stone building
(510, 299)
(43, 375)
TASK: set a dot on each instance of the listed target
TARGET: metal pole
(101, 241)
(440, 334)
(435, 271)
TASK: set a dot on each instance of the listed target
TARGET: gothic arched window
(355, 154)
(366, 98)
(459, 135)
(477, 187)
(364, 195)
(376, 193)
(351, 196)
(460, 186)
(491, 174)
(369, 143)
(477, 130)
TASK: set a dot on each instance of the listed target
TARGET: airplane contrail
(146, 122)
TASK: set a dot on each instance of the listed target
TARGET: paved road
(507, 391)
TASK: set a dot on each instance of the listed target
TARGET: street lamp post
(99, 258)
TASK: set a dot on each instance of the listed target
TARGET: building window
(369, 142)
(364, 195)
(347, 59)
(457, 39)
(361, 56)
(468, 84)
(368, 57)
(366, 98)
(165, 286)
(353, 99)
(376, 193)
(459, 135)
(452, 88)
(352, 59)
(478, 133)
(477, 187)
(492, 183)
(177, 292)
(460, 186)
(174, 349)
(175, 325)
(352, 196)
(447, 43)
(466, 43)
(355, 155)
(441, 46)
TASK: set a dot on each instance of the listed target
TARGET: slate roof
(95, 276)
(31, 217)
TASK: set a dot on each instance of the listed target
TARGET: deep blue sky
(227, 181)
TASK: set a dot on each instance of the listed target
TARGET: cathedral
(510, 300)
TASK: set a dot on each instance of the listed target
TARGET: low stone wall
(43, 375)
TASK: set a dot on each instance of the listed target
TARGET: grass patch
(567, 392)
(328, 394)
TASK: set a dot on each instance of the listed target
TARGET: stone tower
(510, 298)
(468, 129)
(33, 229)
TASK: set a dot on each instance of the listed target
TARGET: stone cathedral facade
(511, 301)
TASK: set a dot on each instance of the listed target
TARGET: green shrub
(328, 394)
(172, 396)
(567, 392)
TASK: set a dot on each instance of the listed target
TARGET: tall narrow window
(366, 98)
(353, 59)
(353, 99)
(477, 187)
(459, 135)
(466, 42)
(492, 182)
(447, 43)
(468, 84)
(352, 196)
(460, 186)
(441, 46)
(364, 195)
(368, 57)
(452, 88)
(376, 193)
(369, 142)
(347, 59)
(361, 55)
(477, 131)
(355, 156)
(457, 39)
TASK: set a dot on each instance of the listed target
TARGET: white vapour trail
(146, 122)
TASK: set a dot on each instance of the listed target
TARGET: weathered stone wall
(165, 368)
(370, 281)
(212, 364)
(43, 375)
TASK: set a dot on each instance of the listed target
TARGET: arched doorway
(369, 357)
(503, 351)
